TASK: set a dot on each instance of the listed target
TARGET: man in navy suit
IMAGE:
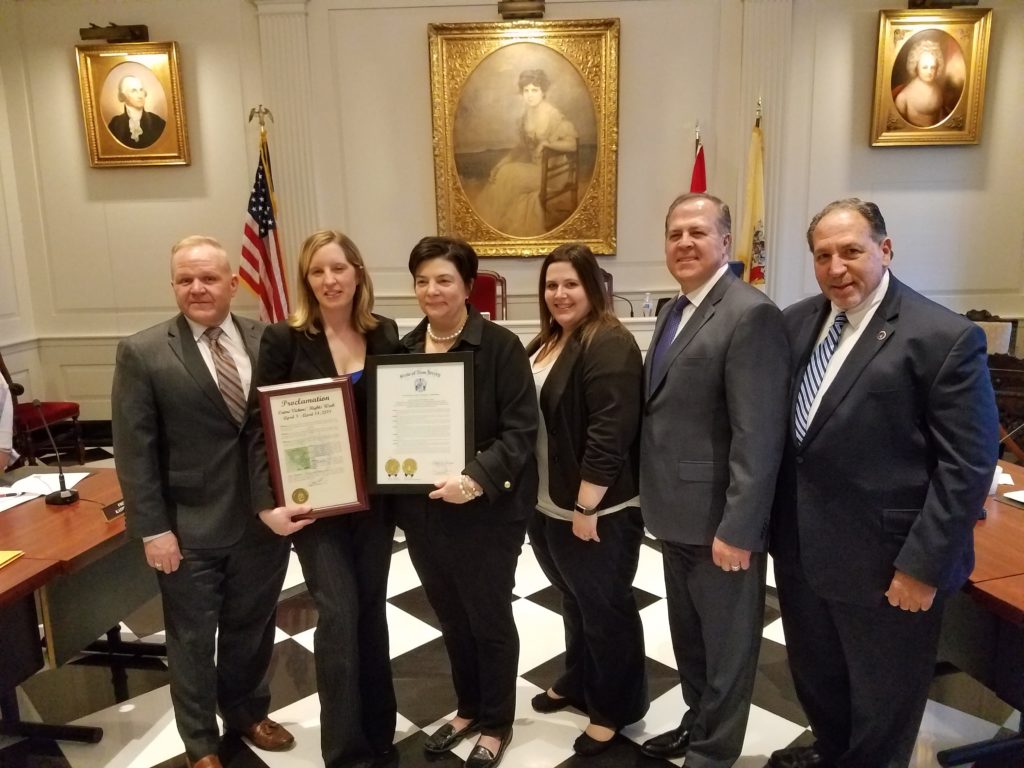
(714, 424)
(892, 443)
(182, 435)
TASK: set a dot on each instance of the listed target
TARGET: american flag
(262, 268)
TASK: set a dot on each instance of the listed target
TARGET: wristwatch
(584, 511)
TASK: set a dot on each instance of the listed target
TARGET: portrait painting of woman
(525, 140)
(928, 78)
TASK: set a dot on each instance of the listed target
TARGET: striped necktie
(814, 374)
(228, 381)
(659, 357)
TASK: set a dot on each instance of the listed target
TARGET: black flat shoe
(481, 757)
(446, 737)
(545, 704)
(587, 746)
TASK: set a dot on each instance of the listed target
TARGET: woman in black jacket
(465, 538)
(345, 559)
(587, 531)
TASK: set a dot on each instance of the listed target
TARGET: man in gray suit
(893, 435)
(182, 434)
(714, 425)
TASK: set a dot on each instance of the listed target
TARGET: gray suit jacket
(181, 460)
(714, 423)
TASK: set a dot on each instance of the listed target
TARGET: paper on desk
(32, 486)
(1015, 496)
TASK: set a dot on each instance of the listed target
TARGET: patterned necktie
(668, 334)
(814, 374)
(228, 381)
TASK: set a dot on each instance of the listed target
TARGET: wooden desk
(24, 576)
(983, 625)
(999, 538)
(87, 574)
(102, 574)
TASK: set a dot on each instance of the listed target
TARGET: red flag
(699, 177)
(262, 268)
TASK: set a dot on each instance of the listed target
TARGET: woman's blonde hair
(306, 316)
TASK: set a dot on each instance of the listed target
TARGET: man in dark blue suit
(892, 445)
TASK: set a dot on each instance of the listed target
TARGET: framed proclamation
(420, 419)
(313, 445)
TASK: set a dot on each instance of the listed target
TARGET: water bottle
(647, 306)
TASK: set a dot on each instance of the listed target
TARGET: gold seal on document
(300, 495)
(409, 467)
(391, 467)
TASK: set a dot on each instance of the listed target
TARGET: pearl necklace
(449, 337)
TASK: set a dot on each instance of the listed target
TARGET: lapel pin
(881, 335)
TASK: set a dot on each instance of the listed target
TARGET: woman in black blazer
(345, 559)
(465, 538)
(587, 531)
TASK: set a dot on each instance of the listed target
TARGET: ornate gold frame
(965, 32)
(155, 63)
(592, 48)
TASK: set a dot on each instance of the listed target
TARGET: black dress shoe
(587, 746)
(798, 757)
(668, 746)
(446, 737)
(481, 757)
(545, 704)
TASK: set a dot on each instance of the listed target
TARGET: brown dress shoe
(206, 761)
(268, 735)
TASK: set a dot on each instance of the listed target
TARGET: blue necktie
(814, 374)
(668, 335)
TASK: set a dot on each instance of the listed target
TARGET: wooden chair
(559, 177)
(1007, 374)
(28, 424)
(490, 294)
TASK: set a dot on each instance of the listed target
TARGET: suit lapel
(554, 388)
(700, 317)
(318, 352)
(184, 346)
(875, 336)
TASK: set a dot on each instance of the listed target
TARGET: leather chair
(28, 424)
(1007, 374)
(490, 294)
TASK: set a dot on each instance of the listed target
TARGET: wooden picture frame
(525, 126)
(116, 79)
(314, 451)
(930, 77)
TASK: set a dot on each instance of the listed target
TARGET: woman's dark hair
(458, 252)
(591, 277)
(536, 77)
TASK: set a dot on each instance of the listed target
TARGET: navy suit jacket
(896, 464)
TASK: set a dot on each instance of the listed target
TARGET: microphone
(63, 496)
(1012, 432)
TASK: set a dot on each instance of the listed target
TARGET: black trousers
(605, 666)
(345, 561)
(221, 604)
(467, 565)
(716, 618)
(862, 674)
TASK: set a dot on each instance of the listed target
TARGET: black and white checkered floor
(133, 705)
